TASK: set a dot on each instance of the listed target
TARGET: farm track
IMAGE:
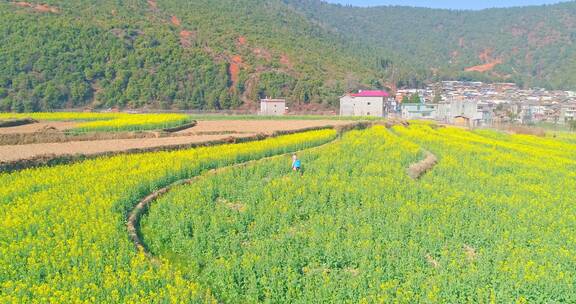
(135, 215)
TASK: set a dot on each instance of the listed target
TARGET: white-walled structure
(272, 107)
(363, 103)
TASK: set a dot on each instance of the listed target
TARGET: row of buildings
(457, 102)
(466, 103)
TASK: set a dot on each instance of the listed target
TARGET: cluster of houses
(457, 102)
(467, 103)
(379, 103)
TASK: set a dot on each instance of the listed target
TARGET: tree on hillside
(415, 98)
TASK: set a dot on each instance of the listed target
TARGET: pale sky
(453, 4)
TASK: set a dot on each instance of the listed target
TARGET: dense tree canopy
(221, 54)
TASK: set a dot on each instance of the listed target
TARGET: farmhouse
(272, 107)
(363, 103)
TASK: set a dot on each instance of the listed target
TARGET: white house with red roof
(363, 103)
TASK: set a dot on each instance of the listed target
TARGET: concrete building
(272, 107)
(567, 112)
(419, 111)
(468, 112)
(363, 103)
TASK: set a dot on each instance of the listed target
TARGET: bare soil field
(38, 127)
(18, 152)
(205, 131)
(258, 126)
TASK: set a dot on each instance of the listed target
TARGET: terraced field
(107, 122)
(492, 221)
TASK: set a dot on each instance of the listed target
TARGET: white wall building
(363, 103)
(272, 107)
(568, 112)
(470, 110)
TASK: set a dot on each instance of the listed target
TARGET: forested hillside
(204, 54)
(533, 46)
(222, 54)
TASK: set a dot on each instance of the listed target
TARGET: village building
(419, 110)
(568, 113)
(468, 113)
(272, 107)
(364, 103)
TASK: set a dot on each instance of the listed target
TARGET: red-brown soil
(153, 5)
(489, 62)
(262, 53)
(285, 61)
(175, 21)
(186, 38)
(242, 40)
(484, 67)
(43, 8)
(235, 65)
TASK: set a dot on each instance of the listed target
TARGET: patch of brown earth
(12, 153)
(39, 127)
(484, 67)
(542, 36)
(285, 61)
(153, 4)
(242, 40)
(43, 8)
(234, 70)
(454, 55)
(489, 62)
(175, 21)
(262, 53)
(226, 130)
(529, 58)
(470, 253)
(259, 126)
(186, 38)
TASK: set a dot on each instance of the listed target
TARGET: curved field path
(134, 216)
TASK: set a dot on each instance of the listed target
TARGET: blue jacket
(296, 164)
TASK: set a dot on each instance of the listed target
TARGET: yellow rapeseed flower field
(492, 222)
(62, 229)
(93, 122)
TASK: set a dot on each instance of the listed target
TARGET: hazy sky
(454, 4)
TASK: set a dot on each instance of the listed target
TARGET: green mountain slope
(221, 54)
(205, 54)
(533, 46)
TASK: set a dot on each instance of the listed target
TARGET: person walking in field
(296, 164)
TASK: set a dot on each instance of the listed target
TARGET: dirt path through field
(133, 221)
